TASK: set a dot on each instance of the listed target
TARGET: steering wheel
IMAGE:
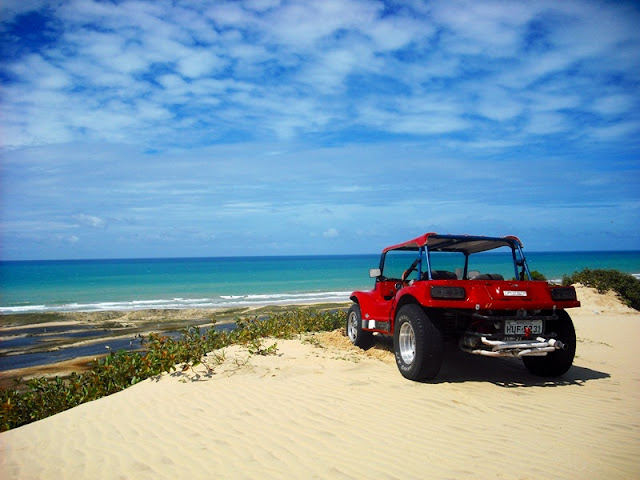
(408, 271)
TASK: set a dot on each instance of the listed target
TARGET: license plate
(515, 293)
(517, 327)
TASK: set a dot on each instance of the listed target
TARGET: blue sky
(277, 127)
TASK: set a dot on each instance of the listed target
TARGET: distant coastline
(38, 286)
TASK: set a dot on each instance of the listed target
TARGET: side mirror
(374, 272)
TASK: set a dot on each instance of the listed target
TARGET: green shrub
(536, 275)
(624, 284)
(43, 397)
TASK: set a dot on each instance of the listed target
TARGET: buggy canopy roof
(457, 243)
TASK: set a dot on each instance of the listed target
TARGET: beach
(320, 408)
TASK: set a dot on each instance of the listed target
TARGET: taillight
(563, 294)
(448, 293)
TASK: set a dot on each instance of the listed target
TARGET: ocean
(130, 284)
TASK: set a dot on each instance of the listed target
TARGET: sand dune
(323, 409)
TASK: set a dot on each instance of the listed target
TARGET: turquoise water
(95, 285)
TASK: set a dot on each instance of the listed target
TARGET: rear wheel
(360, 338)
(417, 344)
(555, 363)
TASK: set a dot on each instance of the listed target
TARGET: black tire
(417, 344)
(559, 362)
(360, 338)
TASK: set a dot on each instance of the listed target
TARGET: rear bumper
(519, 315)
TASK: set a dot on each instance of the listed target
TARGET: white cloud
(40, 73)
(547, 123)
(500, 105)
(229, 14)
(615, 104)
(330, 233)
(420, 122)
(261, 5)
(392, 33)
(619, 131)
(352, 189)
(331, 70)
(90, 220)
(302, 24)
(491, 28)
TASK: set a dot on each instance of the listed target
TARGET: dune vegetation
(625, 285)
(42, 397)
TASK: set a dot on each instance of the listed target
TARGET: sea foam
(180, 303)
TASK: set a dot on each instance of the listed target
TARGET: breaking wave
(182, 303)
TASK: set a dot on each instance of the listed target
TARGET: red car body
(484, 313)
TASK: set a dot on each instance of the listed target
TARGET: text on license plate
(517, 327)
(515, 293)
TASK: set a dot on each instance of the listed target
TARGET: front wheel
(360, 338)
(417, 344)
(555, 363)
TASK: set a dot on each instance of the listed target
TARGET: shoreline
(29, 338)
(136, 284)
(202, 304)
(230, 303)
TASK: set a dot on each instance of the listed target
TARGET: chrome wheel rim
(353, 327)
(407, 343)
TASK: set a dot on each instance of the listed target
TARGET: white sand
(335, 412)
